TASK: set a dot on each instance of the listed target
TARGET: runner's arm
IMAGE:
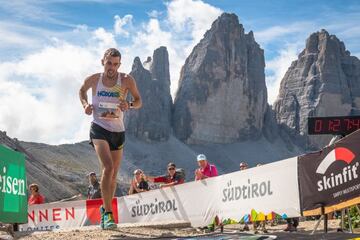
(88, 83)
(137, 103)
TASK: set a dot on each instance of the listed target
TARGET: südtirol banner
(13, 197)
(331, 177)
(267, 190)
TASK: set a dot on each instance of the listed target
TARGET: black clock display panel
(333, 125)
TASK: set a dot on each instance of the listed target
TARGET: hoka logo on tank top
(108, 94)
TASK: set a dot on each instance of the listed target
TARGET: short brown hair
(34, 185)
(112, 52)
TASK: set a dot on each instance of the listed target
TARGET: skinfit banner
(13, 197)
(331, 177)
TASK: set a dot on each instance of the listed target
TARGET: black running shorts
(115, 140)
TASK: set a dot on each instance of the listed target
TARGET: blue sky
(48, 47)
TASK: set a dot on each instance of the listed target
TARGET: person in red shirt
(35, 197)
(171, 179)
(205, 169)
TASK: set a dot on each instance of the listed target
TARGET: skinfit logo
(349, 172)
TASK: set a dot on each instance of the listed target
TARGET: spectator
(35, 197)
(170, 179)
(138, 183)
(94, 190)
(243, 165)
(205, 169)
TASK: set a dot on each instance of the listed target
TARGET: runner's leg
(116, 159)
(103, 151)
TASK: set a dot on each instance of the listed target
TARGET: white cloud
(22, 36)
(120, 23)
(104, 39)
(192, 16)
(154, 14)
(40, 92)
(278, 66)
(278, 33)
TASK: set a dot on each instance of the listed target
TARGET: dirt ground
(185, 231)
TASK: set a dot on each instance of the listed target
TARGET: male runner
(107, 132)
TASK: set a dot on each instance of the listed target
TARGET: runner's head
(171, 167)
(202, 160)
(111, 62)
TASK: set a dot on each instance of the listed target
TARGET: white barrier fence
(269, 188)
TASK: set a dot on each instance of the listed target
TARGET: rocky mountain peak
(222, 95)
(160, 66)
(152, 121)
(323, 81)
(137, 65)
(227, 22)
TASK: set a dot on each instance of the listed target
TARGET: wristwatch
(131, 104)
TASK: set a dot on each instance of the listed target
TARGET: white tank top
(105, 102)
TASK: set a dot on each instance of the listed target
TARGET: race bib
(108, 111)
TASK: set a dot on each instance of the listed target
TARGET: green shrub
(355, 218)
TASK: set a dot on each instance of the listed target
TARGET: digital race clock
(333, 125)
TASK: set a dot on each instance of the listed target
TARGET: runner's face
(111, 66)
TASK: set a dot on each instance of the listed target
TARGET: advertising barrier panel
(271, 188)
(268, 189)
(13, 194)
(331, 177)
(60, 215)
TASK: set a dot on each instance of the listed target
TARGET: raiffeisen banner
(13, 197)
(62, 215)
(331, 177)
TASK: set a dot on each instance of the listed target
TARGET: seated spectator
(94, 190)
(170, 179)
(35, 197)
(205, 169)
(138, 183)
(243, 165)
